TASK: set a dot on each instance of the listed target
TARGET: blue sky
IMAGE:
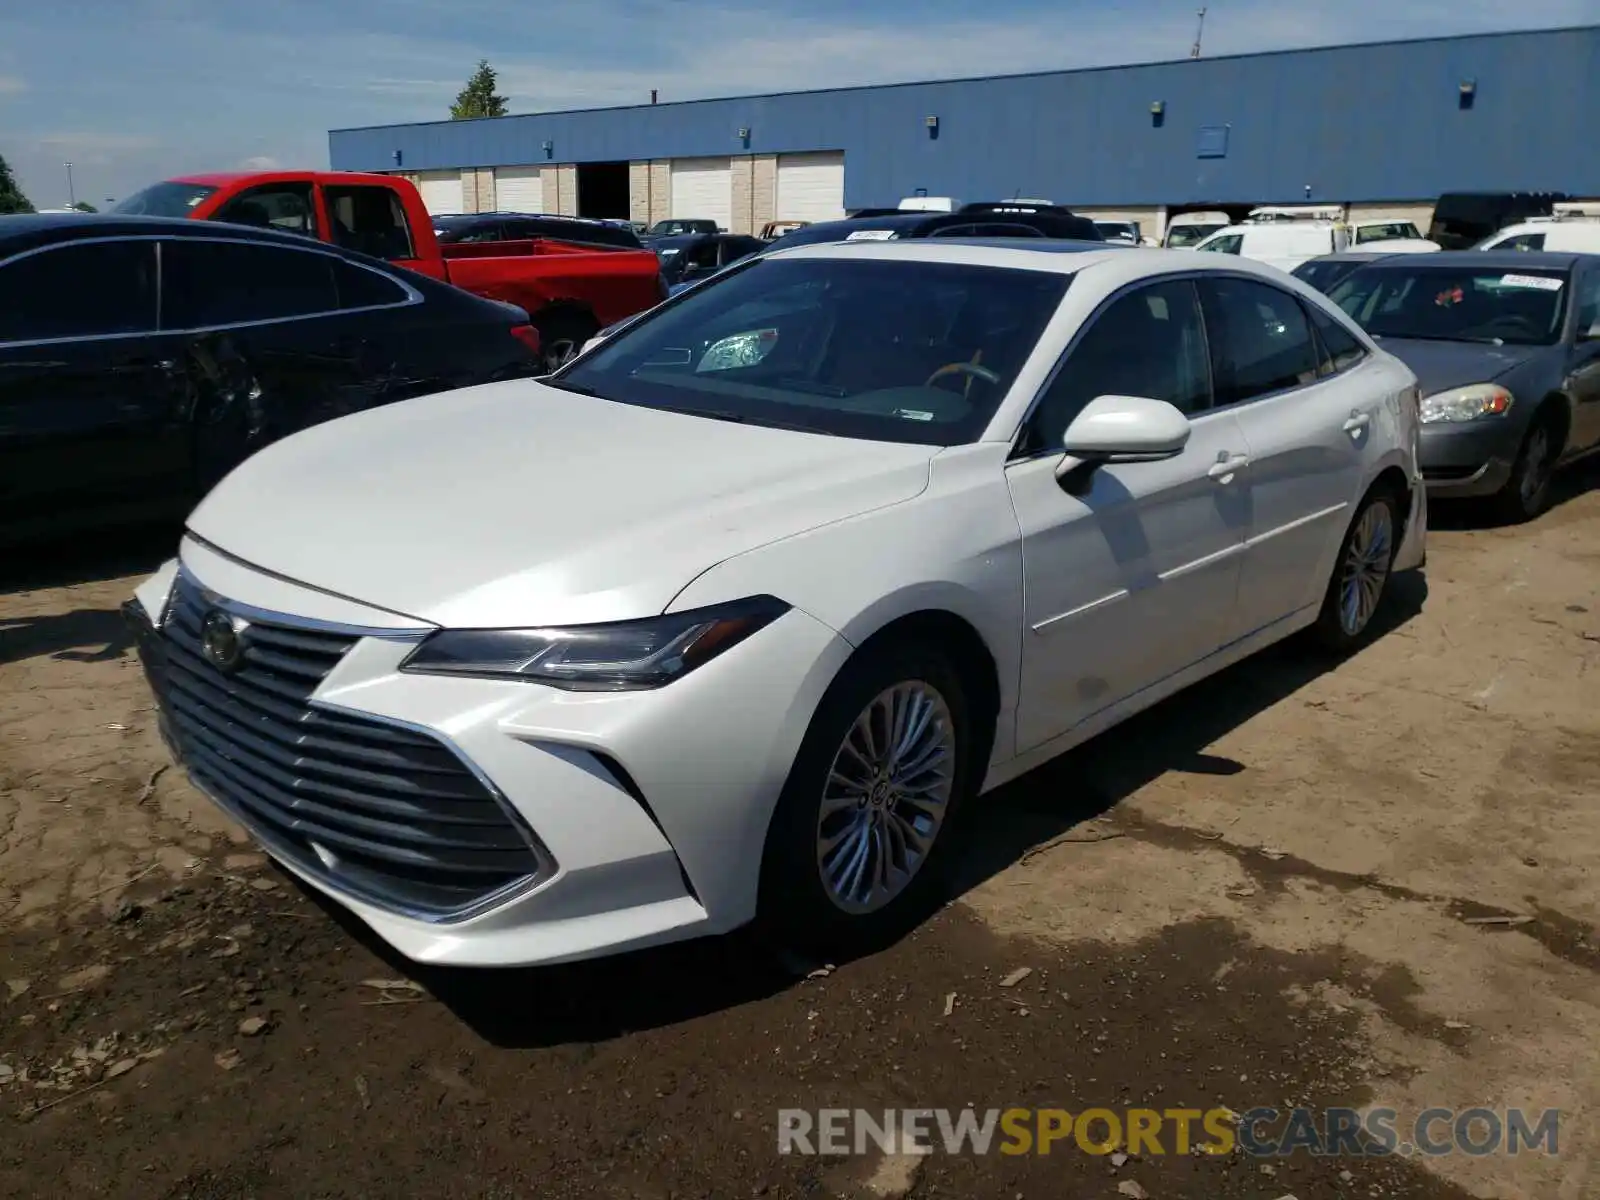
(134, 90)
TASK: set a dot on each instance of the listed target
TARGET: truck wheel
(561, 336)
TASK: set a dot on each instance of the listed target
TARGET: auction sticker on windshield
(1541, 282)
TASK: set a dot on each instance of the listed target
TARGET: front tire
(1361, 573)
(859, 843)
(1527, 493)
(561, 337)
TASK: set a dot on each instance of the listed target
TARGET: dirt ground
(1372, 885)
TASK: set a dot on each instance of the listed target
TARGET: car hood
(1442, 365)
(521, 504)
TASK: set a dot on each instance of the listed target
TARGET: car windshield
(171, 199)
(1455, 304)
(1323, 275)
(1188, 235)
(1387, 231)
(919, 352)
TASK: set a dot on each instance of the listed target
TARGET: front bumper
(1469, 458)
(641, 815)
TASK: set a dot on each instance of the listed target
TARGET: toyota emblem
(219, 641)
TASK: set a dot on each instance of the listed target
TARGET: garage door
(810, 187)
(703, 188)
(518, 189)
(441, 192)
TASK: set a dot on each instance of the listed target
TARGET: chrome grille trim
(389, 813)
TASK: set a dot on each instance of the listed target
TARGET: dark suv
(516, 227)
(994, 220)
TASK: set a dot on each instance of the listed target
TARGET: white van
(1188, 229)
(1282, 244)
(946, 204)
(1577, 235)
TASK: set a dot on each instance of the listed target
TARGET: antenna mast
(1199, 34)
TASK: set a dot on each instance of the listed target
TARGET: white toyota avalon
(735, 613)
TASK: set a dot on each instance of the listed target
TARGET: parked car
(1564, 236)
(1322, 273)
(687, 259)
(520, 227)
(1506, 345)
(899, 226)
(1396, 237)
(773, 230)
(1282, 244)
(568, 291)
(1462, 220)
(678, 226)
(1120, 231)
(141, 359)
(1186, 229)
(728, 616)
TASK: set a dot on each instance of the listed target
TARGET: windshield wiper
(1442, 337)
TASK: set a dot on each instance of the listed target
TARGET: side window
(284, 206)
(44, 296)
(1523, 241)
(1589, 304)
(1260, 340)
(369, 220)
(361, 288)
(1229, 243)
(207, 283)
(1339, 347)
(702, 257)
(1150, 343)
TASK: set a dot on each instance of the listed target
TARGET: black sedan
(1506, 346)
(143, 358)
(515, 227)
(689, 258)
(991, 220)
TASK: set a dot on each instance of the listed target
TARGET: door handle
(1224, 469)
(1357, 422)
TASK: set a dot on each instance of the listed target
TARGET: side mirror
(1124, 429)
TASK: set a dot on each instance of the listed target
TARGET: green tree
(477, 99)
(85, 206)
(11, 198)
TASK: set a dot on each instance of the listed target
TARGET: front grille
(387, 814)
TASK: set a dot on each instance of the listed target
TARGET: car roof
(19, 232)
(1359, 256)
(1058, 256)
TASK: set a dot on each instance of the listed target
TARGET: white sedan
(735, 613)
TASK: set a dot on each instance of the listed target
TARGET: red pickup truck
(569, 292)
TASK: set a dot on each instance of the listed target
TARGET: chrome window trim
(1194, 276)
(412, 296)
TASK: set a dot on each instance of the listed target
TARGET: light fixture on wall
(744, 136)
(549, 149)
(399, 158)
(1468, 93)
(1158, 113)
(933, 126)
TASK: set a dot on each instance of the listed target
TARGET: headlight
(616, 657)
(1466, 403)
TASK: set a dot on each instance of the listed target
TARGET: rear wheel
(1527, 493)
(561, 337)
(1360, 574)
(858, 844)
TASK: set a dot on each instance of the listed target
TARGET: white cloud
(261, 162)
(12, 85)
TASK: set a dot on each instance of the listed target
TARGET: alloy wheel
(886, 796)
(1366, 567)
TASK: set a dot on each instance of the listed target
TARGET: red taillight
(528, 336)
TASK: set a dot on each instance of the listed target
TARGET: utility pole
(1199, 34)
(72, 196)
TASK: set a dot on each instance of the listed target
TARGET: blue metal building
(1370, 124)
